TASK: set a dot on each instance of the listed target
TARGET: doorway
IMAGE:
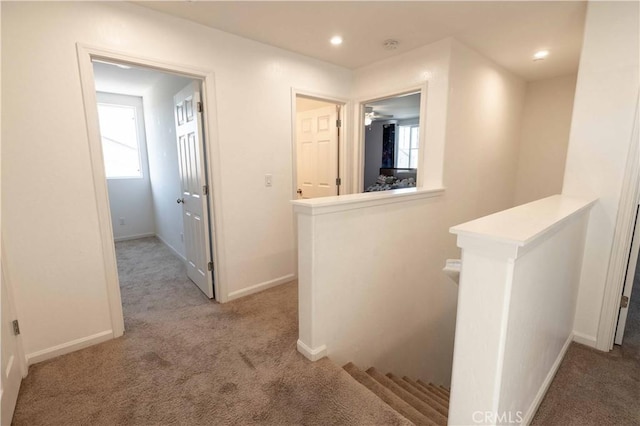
(195, 165)
(157, 187)
(317, 147)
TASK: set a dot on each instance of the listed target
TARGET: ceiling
(133, 81)
(508, 32)
(401, 107)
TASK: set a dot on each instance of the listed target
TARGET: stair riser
(421, 395)
(416, 403)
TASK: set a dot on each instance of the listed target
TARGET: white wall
(426, 65)
(130, 199)
(546, 121)
(163, 160)
(473, 120)
(483, 136)
(51, 224)
(603, 115)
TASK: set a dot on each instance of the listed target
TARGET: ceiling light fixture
(540, 55)
(390, 44)
(336, 40)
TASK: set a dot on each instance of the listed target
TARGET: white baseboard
(134, 237)
(259, 287)
(533, 408)
(68, 347)
(584, 339)
(312, 354)
(170, 247)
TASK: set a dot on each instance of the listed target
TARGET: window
(120, 146)
(408, 143)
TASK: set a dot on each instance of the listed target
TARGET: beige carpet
(187, 360)
(598, 388)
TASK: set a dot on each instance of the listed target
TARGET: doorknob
(180, 200)
(299, 191)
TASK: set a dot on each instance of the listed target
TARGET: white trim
(134, 237)
(627, 287)
(213, 164)
(89, 97)
(170, 247)
(260, 287)
(326, 205)
(621, 246)
(13, 305)
(312, 354)
(535, 404)
(513, 227)
(358, 134)
(584, 339)
(68, 347)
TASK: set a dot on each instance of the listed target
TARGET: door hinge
(205, 189)
(16, 327)
(624, 302)
(210, 266)
(338, 181)
(199, 106)
(338, 123)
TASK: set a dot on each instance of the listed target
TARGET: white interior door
(12, 360)
(628, 282)
(193, 183)
(317, 152)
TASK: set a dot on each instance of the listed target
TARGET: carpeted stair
(421, 403)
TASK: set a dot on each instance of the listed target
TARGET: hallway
(187, 360)
(598, 388)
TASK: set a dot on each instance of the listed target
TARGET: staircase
(421, 403)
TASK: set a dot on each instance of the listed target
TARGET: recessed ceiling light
(336, 40)
(540, 54)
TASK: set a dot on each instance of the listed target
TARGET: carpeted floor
(598, 388)
(187, 360)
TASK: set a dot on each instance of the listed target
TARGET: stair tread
(428, 391)
(410, 399)
(388, 396)
(445, 390)
(433, 388)
(436, 404)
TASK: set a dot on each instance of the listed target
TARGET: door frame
(627, 286)
(359, 135)
(621, 247)
(86, 54)
(343, 137)
(14, 312)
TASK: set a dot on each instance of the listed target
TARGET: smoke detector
(390, 44)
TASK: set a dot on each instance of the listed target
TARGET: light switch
(268, 180)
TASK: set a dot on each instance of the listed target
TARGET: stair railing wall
(516, 305)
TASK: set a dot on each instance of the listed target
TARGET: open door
(317, 152)
(12, 360)
(193, 183)
(628, 281)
